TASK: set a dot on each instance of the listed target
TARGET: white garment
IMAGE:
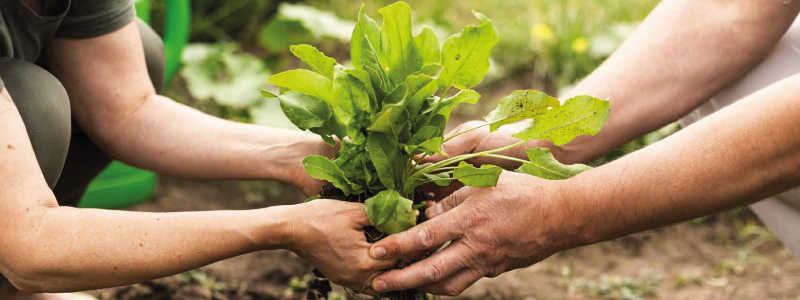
(780, 213)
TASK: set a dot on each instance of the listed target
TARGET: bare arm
(737, 156)
(114, 101)
(681, 55)
(48, 248)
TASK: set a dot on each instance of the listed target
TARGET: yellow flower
(580, 45)
(541, 31)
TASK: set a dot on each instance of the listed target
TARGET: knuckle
(426, 237)
(433, 273)
(392, 246)
(452, 291)
(363, 266)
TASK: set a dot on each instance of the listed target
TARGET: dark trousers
(68, 159)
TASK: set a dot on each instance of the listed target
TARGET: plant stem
(464, 157)
(506, 158)
(463, 132)
(446, 168)
(435, 107)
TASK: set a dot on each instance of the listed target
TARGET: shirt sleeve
(93, 18)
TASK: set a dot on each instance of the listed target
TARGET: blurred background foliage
(547, 45)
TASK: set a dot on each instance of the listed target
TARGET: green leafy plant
(390, 111)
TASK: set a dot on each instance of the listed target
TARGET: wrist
(275, 229)
(283, 159)
(574, 210)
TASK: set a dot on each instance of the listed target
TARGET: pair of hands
(490, 230)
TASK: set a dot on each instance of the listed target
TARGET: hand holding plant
(330, 235)
(514, 225)
(390, 112)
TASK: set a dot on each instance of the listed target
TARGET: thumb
(455, 199)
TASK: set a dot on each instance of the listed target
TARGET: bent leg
(44, 106)
(86, 160)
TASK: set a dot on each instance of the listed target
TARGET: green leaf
(484, 176)
(268, 94)
(439, 121)
(383, 122)
(350, 100)
(520, 105)
(433, 145)
(382, 206)
(385, 154)
(429, 45)
(419, 88)
(431, 70)
(463, 96)
(322, 168)
(581, 115)
(326, 134)
(346, 159)
(544, 165)
(314, 59)
(465, 56)
(366, 82)
(306, 82)
(423, 135)
(332, 127)
(401, 220)
(441, 179)
(365, 36)
(303, 110)
(399, 54)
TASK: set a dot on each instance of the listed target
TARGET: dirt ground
(728, 256)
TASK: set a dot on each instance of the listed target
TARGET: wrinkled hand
(493, 230)
(477, 141)
(482, 140)
(329, 234)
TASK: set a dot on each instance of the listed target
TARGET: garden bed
(701, 260)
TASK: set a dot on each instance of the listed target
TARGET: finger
(357, 214)
(454, 285)
(421, 237)
(381, 264)
(439, 266)
(455, 199)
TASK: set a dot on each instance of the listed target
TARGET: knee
(44, 106)
(153, 55)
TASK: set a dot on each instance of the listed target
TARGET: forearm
(737, 156)
(681, 55)
(170, 138)
(79, 249)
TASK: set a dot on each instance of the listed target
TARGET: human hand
(479, 140)
(298, 176)
(491, 230)
(329, 234)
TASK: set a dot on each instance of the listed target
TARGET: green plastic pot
(121, 185)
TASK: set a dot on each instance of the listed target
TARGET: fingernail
(379, 285)
(378, 252)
